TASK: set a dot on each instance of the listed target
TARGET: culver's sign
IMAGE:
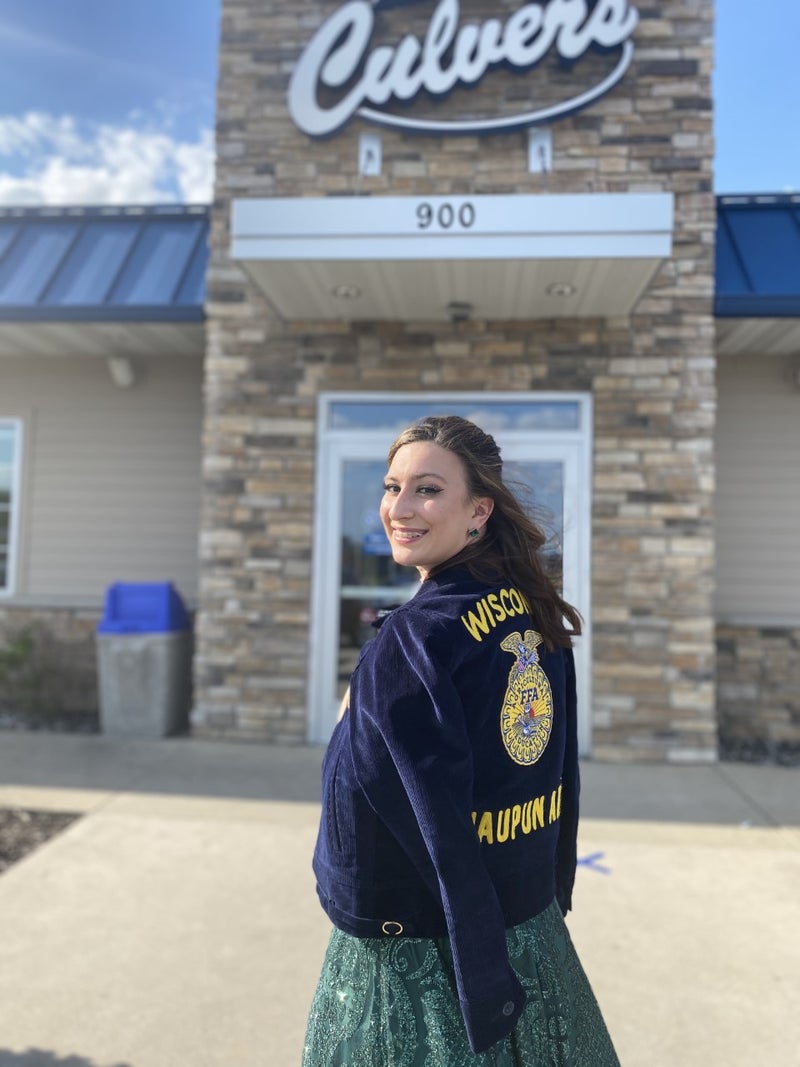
(356, 79)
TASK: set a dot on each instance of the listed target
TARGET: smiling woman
(427, 511)
(446, 852)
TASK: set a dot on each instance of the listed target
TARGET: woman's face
(426, 509)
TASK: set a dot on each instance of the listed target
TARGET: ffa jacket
(450, 787)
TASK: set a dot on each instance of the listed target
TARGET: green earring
(472, 533)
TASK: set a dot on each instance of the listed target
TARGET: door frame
(334, 445)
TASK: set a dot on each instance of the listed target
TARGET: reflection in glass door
(369, 579)
(355, 576)
(539, 487)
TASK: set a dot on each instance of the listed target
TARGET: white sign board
(340, 64)
(471, 227)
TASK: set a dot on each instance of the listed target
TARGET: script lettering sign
(340, 63)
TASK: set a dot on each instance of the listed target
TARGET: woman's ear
(484, 506)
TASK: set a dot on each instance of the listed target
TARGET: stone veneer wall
(652, 377)
(758, 690)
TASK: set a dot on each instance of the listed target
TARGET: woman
(447, 846)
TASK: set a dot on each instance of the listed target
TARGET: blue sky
(105, 101)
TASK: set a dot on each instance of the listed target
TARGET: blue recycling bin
(144, 659)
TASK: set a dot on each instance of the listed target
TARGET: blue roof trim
(758, 256)
(114, 313)
(103, 264)
(757, 307)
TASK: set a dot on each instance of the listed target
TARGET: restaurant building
(504, 211)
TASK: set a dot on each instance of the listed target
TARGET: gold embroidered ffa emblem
(526, 720)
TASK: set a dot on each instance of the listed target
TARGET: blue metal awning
(106, 264)
(758, 257)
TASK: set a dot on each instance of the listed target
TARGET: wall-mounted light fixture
(346, 291)
(370, 155)
(122, 371)
(459, 310)
(561, 289)
(540, 150)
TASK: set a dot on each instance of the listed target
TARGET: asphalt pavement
(176, 925)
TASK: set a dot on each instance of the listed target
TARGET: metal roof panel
(758, 256)
(193, 287)
(8, 231)
(32, 259)
(95, 264)
(89, 270)
(157, 263)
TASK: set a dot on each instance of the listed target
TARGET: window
(10, 448)
(369, 412)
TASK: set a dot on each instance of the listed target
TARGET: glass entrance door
(355, 576)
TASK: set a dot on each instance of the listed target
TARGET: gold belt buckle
(391, 928)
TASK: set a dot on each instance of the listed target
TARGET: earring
(472, 533)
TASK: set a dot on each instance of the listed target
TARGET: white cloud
(59, 160)
(27, 135)
(195, 166)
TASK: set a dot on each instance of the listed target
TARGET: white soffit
(509, 257)
(102, 338)
(763, 337)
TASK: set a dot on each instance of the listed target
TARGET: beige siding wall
(111, 477)
(758, 491)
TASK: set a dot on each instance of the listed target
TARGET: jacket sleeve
(567, 847)
(414, 762)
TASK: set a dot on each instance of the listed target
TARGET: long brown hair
(510, 546)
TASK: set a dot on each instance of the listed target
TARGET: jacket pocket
(333, 822)
(335, 791)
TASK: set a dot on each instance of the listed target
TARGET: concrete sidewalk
(176, 925)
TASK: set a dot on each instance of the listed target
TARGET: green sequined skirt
(392, 1002)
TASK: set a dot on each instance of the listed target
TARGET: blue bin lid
(143, 607)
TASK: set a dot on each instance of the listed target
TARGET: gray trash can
(144, 661)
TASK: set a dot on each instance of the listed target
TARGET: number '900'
(445, 216)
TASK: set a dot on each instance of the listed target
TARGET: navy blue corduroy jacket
(450, 787)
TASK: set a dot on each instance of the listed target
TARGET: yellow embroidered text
(494, 608)
(497, 827)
